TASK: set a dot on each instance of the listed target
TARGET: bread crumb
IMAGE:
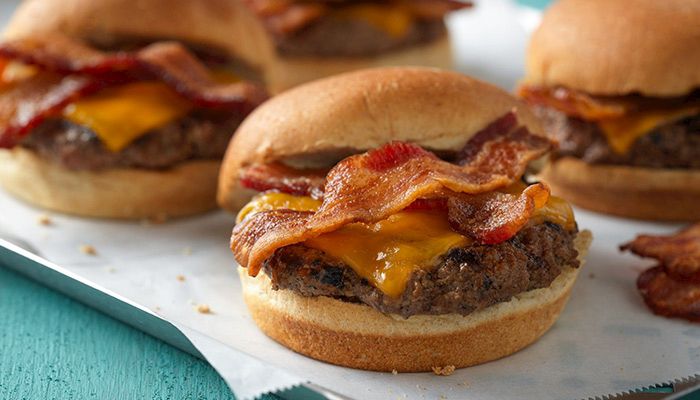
(88, 249)
(203, 309)
(44, 219)
(421, 387)
(447, 370)
(157, 308)
(394, 372)
(180, 278)
(187, 251)
(591, 275)
(464, 384)
(111, 270)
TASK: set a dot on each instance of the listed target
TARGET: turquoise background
(52, 347)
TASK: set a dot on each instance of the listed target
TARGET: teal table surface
(52, 347)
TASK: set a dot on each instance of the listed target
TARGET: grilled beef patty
(345, 37)
(673, 145)
(196, 136)
(464, 280)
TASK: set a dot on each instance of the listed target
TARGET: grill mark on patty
(198, 135)
(345, 37)
(673, 145)
(464, 280)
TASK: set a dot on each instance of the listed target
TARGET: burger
(617, 84)
(281, 42)
(390, 227)
(110, 124)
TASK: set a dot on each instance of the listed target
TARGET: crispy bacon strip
(495, 217)
(679, 254)
(285, 17)
(573, 103)
(72, 70)
(23, 107)
(372, 186)
(669, 297)
(279, 177)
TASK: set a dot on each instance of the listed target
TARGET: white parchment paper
(606, 341)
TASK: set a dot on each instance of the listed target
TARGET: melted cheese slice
(394, 21)
(121, 114)
(388, 252)
(622, 132)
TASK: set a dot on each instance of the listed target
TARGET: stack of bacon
(370, 187)
(672, 288)
(69, 69)
(285, 17)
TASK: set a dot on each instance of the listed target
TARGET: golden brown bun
(610, 47)
(318, 123)
(358, 336)
(221, 24)
(634, 192)
(187, 189)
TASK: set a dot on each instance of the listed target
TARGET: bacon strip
(679, 254)
(278, 177)
(72, 70)
(285, 17)
(669, 297)
(372, 186)
(573, 103)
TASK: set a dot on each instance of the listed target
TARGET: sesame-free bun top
(615, 47)
(319, 123)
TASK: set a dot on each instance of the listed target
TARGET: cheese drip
(622, 132)
(121, 114)
(387, 253)
(393, 20)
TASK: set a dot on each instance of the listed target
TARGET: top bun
(319, 123)
(614, 47)
(216, 24)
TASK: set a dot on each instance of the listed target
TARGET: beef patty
(673, 145)
(464, 280)
(344, 37)
(199, 135)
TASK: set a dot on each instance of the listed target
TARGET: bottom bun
(287, 72)
(633, 192)
(358, 336)
(187, 189)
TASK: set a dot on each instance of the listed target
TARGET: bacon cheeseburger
(283, 42)
(618, 84)
(427, 250)
(105, 132)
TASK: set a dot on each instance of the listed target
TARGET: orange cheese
(623, 131)
(121, 114)
(388, 252)
(394, 21)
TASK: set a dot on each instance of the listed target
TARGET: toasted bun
(618, 47)
(226, 25)
(358, 336)
(319, 123)
(114, 193)
(633, 192)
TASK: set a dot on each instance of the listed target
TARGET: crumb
(111, 270)
(621, 369)
(421, 387)
(464, 384)
(88, 249)
(180, 278)
(45, 220)
(447, 370)
(442, 397)
(394, 372)
(187, 251)
(591, 275)
(203, 309)
(157, 308)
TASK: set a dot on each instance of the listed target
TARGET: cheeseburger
(617, 83)
(279, 42)
(111, 123)
(391, 228)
